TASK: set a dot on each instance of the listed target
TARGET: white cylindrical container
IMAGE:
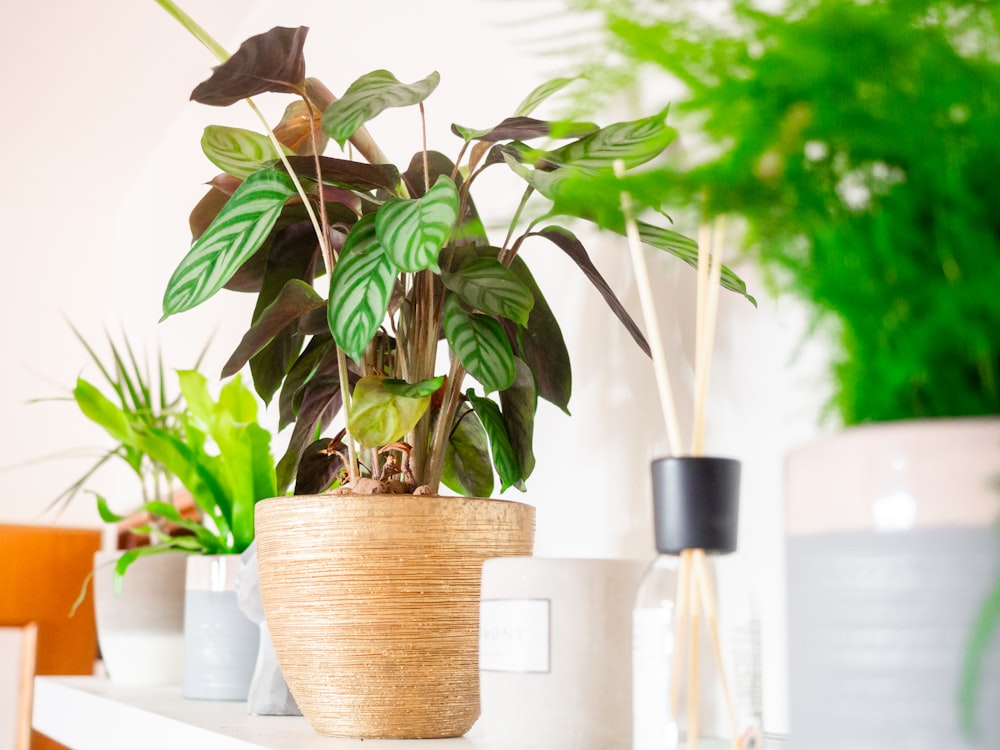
(555, 649)
(893, 574)
(141, 631)
(220, 642)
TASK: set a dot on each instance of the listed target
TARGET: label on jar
(514, 635)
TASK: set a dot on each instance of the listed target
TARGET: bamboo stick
(708, 604)
(681, 615)
(694, 689)
(652, 323)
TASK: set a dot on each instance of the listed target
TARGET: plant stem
(195, 30)
(456, 375)
(504, 251)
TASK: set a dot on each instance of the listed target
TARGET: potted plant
(407, 262)
(859, 141)
(220, 455)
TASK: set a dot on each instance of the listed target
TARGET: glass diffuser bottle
(696, 664)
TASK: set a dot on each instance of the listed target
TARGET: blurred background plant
(858, 141)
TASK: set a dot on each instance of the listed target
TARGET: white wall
(102, 166)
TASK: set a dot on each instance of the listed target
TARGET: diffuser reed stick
(694, 589)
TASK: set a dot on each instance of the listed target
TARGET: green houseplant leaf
(236, 234)
(504, 458)
(237, 151)
(379, 417)
(369, 96)
(468, 467)
(486, 284)
(480, 345)
(360, 287)
(414, 231)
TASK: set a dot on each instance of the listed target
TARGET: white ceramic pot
(141, 632)
(893, 551)
(555, 653)
(220, 642)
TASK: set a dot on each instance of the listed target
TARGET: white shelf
(91, 713)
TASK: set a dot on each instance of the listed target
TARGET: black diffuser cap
(696, 503)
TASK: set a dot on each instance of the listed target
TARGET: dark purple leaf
(345, 173)
(541, 344)
(523, 128)
(569, 244)
(320, 403)
(318, 356)
(319, 465)
(295, 300)
(271, 61)
(517, 407)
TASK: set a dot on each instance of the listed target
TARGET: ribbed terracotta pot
(373, 605)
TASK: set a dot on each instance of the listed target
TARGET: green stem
(441, 430)
(194, 29)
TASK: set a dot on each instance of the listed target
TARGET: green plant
(859, 140)
(409, 262)
(142, 394)
(214, 448)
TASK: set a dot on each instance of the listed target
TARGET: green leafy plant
(409, 262)
(858, 140)
(215, 449)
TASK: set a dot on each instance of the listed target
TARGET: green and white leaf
(237, 151)
(634, 143)
(413, 231)
(230, 240)
(413, 390)
(540, 94)
(503, 454)
(480, 344)
(488, 285)
(360, 287)
(545, 182)
(378, 417)
(369, 96)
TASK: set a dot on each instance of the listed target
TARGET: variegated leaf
(503, 454)
(634, 143)
(413, 231)
(237, 151)
(378, 417)
(370, 95)
(233, 237)
(486, 284)
(360, 287)
(480, 344)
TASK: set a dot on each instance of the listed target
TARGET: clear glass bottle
(696, 645)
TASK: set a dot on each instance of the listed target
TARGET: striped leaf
(230, 240)
(360, 287)
(413, 231)
(378, 417)
(369, 96)
(503, 454)
(486, 284)
(480, 345)
(634, 142)
(237, 151)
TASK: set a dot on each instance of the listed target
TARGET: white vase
(220, 642)
(893, 549)
(555, 653)
(141, 632)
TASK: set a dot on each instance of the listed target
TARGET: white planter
(141, 632)
(555, 653)
(893, 548)
(220, 642)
